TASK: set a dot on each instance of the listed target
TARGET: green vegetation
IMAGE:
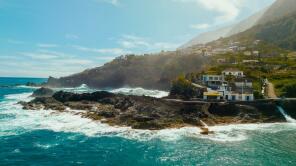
(281, 32)
(183, 88)
(290, 90)
(276, 64)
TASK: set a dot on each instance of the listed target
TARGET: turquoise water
(50, 138)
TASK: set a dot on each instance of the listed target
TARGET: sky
(41, 38)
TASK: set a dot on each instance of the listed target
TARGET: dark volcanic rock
(142, 112)
(43, 92)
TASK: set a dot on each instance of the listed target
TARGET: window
(210, 78)
(233, 97)
(248, 98)
(226, 97)
(216, 78)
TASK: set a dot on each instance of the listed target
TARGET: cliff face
(150, 71)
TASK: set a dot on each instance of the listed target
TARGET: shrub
(182, 87)
(290, 90)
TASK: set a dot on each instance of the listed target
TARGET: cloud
(136, 42)
(39, 55)
(35, 63)
(112, 2)
(12, 41)
(43, 45)
(199, 26)
(113, 51)
(71, 36)
(228, 9)
(130, 41)
(45, 55)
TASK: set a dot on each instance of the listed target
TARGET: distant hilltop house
(256, 53)
(250, 61)
(233, 72)
(247, 53)
(221, 60)
(240, 89)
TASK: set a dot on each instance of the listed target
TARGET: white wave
(126, 91)
(287, 117)
(141, 92)
(27, 87)
(26, 120)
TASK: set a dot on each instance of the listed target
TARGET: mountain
(247, 23)
(278, 10)
(277, 26)
(226, 31)
(148, 71)
(281, 32)
(208, 37)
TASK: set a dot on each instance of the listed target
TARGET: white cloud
(71, 36)
(45, 55)
(39, 55)
(228, 9)
(35, 63)
(113, 51)
(199, 26)
(131, 41)
(44, 45)
(112, 2)
(13, 41)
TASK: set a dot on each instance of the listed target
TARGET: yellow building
(212, 95)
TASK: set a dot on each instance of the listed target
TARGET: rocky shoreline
(141, 112)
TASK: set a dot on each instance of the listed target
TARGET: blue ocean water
(49, 138)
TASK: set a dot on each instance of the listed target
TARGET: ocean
(47, 137)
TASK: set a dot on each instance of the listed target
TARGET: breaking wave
(140, 92)
(126, 91)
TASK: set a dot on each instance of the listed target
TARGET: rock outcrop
(142, 112)
(43, 92)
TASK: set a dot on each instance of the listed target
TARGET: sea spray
(126, 91)
(287, 117)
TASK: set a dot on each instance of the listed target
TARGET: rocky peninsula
(142, 112)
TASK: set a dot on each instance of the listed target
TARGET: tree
(182, 87)
(230, 78)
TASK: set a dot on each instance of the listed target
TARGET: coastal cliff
(147, 71)
(141, 112)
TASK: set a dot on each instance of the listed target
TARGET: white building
(256, 53)
(247, 53)
(213, 81)
(250, 61)
(233, 72)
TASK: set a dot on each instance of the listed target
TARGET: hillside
(226, 31)
(148, 71)
(208, 37)
(281, 32)
(278, 10)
